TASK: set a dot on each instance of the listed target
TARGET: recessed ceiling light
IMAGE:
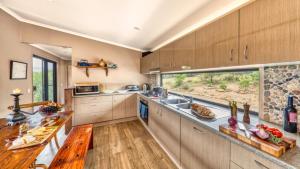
(137, 28)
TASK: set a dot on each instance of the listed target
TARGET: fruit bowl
(50, 108)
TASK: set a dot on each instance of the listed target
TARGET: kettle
(146, 87)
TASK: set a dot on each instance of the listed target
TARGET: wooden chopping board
(263, 145)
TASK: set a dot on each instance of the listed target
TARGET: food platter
(202, 116)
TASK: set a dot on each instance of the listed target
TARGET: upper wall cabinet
(150, 62)
(184, 52)
(270, 31)
(166, 57)
(217, 43)
(226, 41)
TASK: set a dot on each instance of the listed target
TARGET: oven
(86, 88)
(144, 110)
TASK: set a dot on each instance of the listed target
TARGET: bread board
(263, 145)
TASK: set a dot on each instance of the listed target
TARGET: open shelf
(93, 67)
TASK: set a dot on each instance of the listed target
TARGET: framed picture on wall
(18, 70)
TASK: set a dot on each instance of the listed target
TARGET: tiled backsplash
(279, 82)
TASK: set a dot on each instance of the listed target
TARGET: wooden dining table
(23, 158)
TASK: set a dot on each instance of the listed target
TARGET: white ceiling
(113, 21)
(64, 53)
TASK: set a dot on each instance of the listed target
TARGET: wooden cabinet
(204, 47)
(226, 43)
(184, 52)
(248, 160)
(131, 105)
(270, 32)
(124, 105)
(217, 43)
(170, 133)
(166, 57)
(165, 125)
(92, 109)
(202, 149)
(119, 106)
(150, 62)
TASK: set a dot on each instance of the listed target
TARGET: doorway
(44, 79)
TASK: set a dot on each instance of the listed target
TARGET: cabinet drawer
(93, 117)
(248, 160)
(93, 99)
(93, 107)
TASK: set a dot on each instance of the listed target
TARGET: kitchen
(215, 86)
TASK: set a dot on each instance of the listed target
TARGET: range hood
(154, 71)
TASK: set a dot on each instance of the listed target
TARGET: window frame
(215, 71)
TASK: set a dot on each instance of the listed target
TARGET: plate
(201, 116)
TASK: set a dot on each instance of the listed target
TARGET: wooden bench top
(72, 154)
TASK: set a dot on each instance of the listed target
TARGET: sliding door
(44, 79)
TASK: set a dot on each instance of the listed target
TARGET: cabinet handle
(231, 55)
(260, 165)
(245, 52)
(200, 131)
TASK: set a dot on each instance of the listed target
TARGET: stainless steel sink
(175, 101)
(184, 106)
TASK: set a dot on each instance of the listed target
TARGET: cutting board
(263, 145)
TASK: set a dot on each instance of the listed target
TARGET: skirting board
(160, 144)
(112, 121)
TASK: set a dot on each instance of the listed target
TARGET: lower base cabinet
(201, 149)
(165, 125)
(248, 160)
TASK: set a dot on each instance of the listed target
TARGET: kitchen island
(234, 153)
(25, 157)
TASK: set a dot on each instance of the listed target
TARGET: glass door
(44, 79)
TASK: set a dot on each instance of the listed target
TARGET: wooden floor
(126, 145)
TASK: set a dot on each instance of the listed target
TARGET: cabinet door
(154, 118)
(170, 132)
(270, 32)
(87, 110)
(166, 57)
(131, 105)
(155, 60)
(200, 148)
(184, 52)
(143, 65)
(204, 47)
(225, 46)
(119, 106)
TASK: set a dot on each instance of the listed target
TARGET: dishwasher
(144, 110)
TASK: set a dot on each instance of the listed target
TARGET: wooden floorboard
(126, 145)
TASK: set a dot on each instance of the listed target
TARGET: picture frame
(18, 70)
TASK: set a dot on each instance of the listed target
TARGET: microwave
(86, 88)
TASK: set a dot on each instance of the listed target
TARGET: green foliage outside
(37, 82)
(179, 80)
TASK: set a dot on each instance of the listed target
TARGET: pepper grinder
(246, 118)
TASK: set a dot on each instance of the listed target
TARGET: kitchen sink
(175, 101)
(184, 106)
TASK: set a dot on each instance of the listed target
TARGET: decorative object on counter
(246, 117)
(18, 70)
(101, 64)
(83, 62)
(290, 116)
(146, 88)
(202, 111)
(16, 117)
(265, 145)
(233, 109)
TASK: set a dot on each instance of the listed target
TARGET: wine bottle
(290, 117)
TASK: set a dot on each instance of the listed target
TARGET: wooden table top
(23, 158)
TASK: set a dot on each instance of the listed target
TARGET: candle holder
(16, 117)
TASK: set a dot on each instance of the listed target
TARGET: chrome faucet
(189, 98)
